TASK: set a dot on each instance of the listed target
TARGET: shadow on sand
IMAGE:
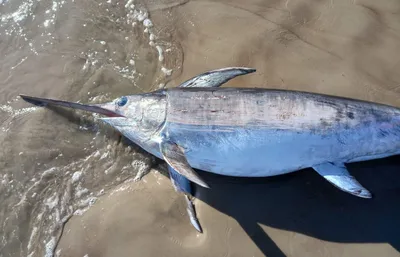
(304, 202)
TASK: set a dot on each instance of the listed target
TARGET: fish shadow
(306, 203)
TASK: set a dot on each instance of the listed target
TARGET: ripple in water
(52, 168)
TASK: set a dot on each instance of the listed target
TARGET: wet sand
(294, 215)
(344, 48)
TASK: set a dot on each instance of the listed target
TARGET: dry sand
(346, 48)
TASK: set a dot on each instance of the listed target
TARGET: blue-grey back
(275, 109)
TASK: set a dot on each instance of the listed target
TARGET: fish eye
(122, 101)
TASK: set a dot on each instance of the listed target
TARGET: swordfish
(249, 132)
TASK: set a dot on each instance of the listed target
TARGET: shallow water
(54, 164)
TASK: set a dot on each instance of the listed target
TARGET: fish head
(146, 112)
(138, 117)
(123, 107)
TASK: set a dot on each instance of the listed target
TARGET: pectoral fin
(338, 175)
(216, 78)
(175, 157)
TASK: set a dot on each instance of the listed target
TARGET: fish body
(250, 132)
(261, 132)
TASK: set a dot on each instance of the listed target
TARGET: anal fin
(192, 214)
(180, 183)
(183, 185)
(339, 176)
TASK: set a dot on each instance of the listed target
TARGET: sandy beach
(340, 48)
(346, 48)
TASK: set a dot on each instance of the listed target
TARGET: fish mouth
(94, 108)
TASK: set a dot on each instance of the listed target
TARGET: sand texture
(345, 48)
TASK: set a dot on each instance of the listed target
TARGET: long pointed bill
(51, 102)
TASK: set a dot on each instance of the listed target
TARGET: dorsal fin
(216, 78)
